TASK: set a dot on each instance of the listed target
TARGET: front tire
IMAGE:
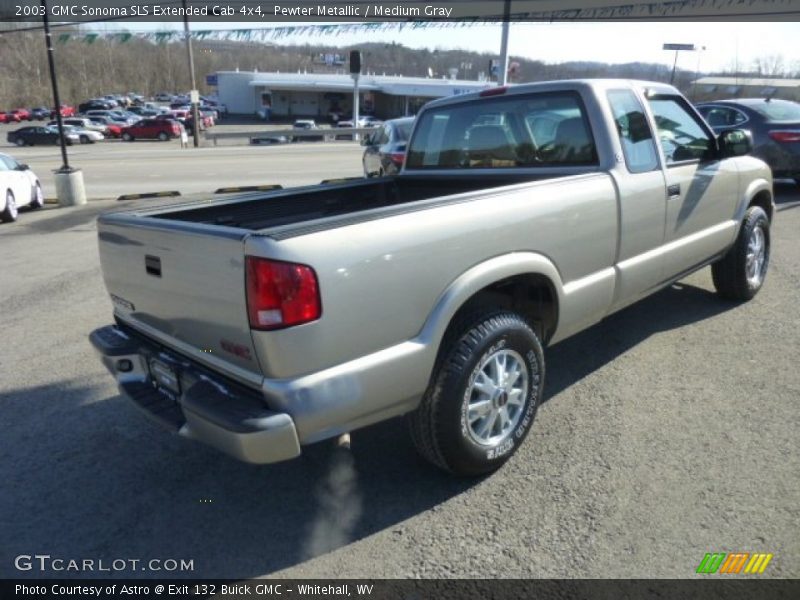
(85, 139)
(483, 396)
(9, 215)
(163, 136)
(127, 137)
(740, 273)
(37, 200)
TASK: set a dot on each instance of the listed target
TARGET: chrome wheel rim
(756, 257)
(496, 397)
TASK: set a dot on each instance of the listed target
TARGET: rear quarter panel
(381, 279)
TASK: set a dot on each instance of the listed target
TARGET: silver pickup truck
(263, 322)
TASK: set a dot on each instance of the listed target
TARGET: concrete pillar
(69, 188)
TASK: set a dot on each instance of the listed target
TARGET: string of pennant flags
(255, 35)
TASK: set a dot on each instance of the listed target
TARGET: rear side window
(635, 135)
(534, 130)
(722, 116)
(778, 110)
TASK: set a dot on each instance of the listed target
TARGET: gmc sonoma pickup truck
(264, 322)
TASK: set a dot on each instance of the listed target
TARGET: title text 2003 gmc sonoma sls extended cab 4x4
(264, 322)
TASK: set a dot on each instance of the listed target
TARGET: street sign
(679, 47)
(194, 97)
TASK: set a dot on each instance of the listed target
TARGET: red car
(9, 117)
(20, 114)
(156, 129)
(66, 111)
(3, 117)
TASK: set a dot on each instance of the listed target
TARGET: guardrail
(290, 134)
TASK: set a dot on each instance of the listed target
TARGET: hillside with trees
(96, 66)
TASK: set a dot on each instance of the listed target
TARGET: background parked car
(37, 134)
(66, 111)
(113, 129)
(22, 114)
(10, 117)
(81, 123)
(156, 129)
(85, 136)
(385, 149)
(40, 113)
(19, 186)
(774, 125)
(306, 124)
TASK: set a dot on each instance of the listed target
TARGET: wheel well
(764, 200)
(532, 296)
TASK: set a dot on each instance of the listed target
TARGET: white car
(19, 186)
(82, 123)
(85, 136)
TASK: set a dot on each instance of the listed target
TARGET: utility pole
(193, 93)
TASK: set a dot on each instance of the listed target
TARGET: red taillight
(785, 136)
(397, 158)
(495, 91)
(280, 294)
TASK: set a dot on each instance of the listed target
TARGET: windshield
(531, 130)
(778, 110)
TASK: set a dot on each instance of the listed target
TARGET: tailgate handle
(152, 265)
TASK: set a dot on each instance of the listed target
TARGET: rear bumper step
(194, 402)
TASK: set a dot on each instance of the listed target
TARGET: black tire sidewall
(461, 453)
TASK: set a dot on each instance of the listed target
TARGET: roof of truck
(558, 85)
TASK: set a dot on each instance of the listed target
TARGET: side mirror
(366, 140)
(735, 142)
(23, 167)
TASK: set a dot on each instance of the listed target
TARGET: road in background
(113, 168)
(669, 430)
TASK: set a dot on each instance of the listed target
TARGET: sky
(726, 44)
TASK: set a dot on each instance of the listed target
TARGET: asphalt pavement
(669, 430)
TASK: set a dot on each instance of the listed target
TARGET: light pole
(677, 48)
(194, 93)
(502, 76)
(69, 181)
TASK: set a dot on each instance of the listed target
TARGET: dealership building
(318, 95)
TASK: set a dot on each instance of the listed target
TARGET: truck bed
(287, 207)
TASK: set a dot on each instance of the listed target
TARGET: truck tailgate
(182, 286)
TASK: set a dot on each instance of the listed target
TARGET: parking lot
(112, 167)
(669, 430)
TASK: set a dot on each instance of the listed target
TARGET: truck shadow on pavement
(88, 477)
(679, 305)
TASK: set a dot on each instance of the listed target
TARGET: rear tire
(20, 142)
(483, 395)
(740, 273)
(163, 136)
(9, 214)
(85, 139)
(127, 137)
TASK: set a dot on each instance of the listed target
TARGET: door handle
(674, 190)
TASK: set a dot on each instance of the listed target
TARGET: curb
(149, 195)
(248, 188)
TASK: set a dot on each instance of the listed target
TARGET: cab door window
(681, 136)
